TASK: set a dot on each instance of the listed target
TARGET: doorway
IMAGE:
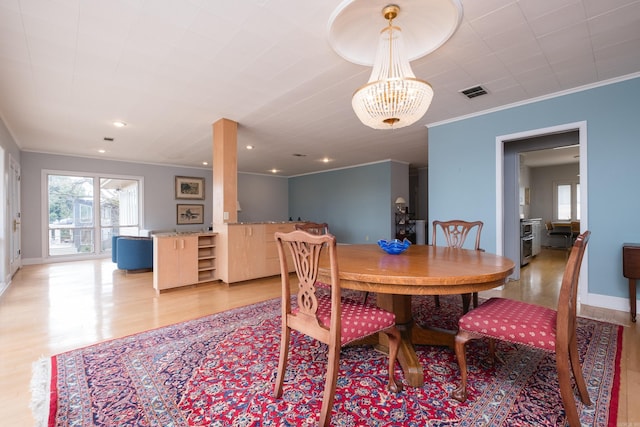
(15, 217)
(508, 150)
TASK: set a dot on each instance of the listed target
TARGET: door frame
(15, 216)
(507, 224)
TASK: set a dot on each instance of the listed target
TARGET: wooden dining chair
(318, 228)
(329, 318)
(321, 228)
(575, 230)
(533, 326)
(564, 232)
(455, 235)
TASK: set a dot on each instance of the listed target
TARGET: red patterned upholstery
(358, 320)
(322, 285)
(513, 321)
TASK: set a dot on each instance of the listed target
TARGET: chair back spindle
(455, 234)
(456, 231)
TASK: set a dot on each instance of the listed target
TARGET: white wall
(542, 183)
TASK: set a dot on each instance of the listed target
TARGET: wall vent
(472, 92)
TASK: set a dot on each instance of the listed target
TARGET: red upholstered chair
(455, 234)
(534, 326)
(329, 318)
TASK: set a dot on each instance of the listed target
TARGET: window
(74, 223)
(563, 202)
(566, 201)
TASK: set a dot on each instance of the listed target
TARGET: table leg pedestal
(411, 367)
(411, 334)
(433, 336)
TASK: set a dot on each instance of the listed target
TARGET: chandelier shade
(393, 97)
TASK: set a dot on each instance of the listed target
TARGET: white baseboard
(4, 286)
(608, 302)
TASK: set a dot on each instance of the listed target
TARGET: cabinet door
(188, 255)
(166, 263)
(272, 259)
(175, 261)
(246, 252)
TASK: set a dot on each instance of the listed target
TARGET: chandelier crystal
(393, 97)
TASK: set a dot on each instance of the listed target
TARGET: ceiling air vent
(472, 92)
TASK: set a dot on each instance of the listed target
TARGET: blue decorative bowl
(395, 246)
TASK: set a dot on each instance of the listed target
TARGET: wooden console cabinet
(631, 270)
(248, 251)
(183, 259)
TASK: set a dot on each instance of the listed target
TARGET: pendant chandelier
(393, 98)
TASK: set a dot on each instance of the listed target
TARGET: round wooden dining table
(420, 270)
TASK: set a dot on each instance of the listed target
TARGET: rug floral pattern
(219, 371)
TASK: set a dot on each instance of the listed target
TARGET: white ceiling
(551, 157)
(171, 68)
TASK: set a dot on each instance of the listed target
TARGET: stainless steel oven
(526, 250)
(526, 242)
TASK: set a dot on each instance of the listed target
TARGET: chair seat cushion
(513, 321)
(358, 320)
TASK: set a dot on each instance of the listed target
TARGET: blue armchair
(132, 253)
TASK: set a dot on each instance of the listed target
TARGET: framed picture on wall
(190, 214)
(188, 187)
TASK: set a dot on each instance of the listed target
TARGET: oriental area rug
(219, 371)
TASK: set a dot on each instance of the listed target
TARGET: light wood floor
(49, 309)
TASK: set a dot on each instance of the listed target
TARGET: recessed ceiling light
(119, 124)
(101, 151)
(205, 163)
(326, 160)
(249, 147)
(274, 170)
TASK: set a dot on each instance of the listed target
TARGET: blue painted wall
(262, 198)
(357, 203)
(462, 170)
